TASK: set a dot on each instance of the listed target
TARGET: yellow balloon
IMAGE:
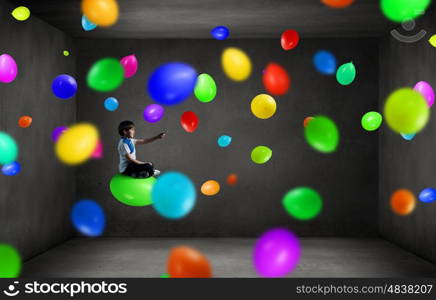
(432, 40)
(77, 144)
(236, 64)
(21, 13)
(101, 12)
(263, 106)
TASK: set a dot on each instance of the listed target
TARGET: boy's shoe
(156, 172)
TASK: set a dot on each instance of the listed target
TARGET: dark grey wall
(347, 179)
(35, 204)
(405, 164)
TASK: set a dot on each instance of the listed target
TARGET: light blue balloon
(325, 62)
(87, 25)
(408, 137)
(173, 195)
(111, 104)
(224, 140)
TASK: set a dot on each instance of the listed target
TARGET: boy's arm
(135, 161)
(150, 140)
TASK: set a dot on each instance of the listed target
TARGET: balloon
(337, 3)
(432, 40)
(21, 13)
(302, 203)
(236, 64)
(187, 262)
(189, 121)
(322, 134)
(224, 141)
(87, 25)
(371, 120)
(98, 151)
(77, 144)
(25, 121)
(289, 39)
(165, 275)
(132, 191)
(325, 62)
(205, 88)
(276, 79)
(57, 132)
(10, 262)
(88, 218)
(111, 104)
(263, 106)
(307, 120)
(427, 195)
(425, 89)
(232, 179)
(8, 149)
(153, 113)
(406, 111)
(8, 68)
(64, 86)
(403, 10)
(403, 202)
(220, 33)
(261, 154)
(101, 12)
(130, 65)
(105, 75)
(11, 169)
(346, 73)
(276, 253)
(210, 188)
(172, 83)
(173, 195)
(408, 137)
(66, 52)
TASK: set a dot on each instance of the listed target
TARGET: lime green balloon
(406, 111)
(132, 191)
(322, 134)
(205, 88)
(66, 52)
(8, 149)
(261, 154)
(21, 13)
(403, 10)
(302, 203)
(165, 275)
(10, 262)
(346, 73)
(105, 75)
(371, 120)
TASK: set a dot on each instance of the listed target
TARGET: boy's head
(127, 129)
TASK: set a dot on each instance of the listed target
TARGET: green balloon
(10, 262)
(403, 10)
(8, 149)
(346, 73)
(302, 203)
(205, 88)
(132, 191)
(165, 275)
(371, 120)
(322, 134)
(105, 75)
(261, 154)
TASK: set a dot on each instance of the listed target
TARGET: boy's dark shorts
(139, 171)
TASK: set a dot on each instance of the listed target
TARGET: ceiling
(195, 18)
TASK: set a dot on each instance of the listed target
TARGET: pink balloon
(98, 151)
(425, 89)
(130, 65)
(8, 68)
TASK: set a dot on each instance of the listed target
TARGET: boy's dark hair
(125, 125)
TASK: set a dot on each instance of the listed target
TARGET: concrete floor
(230, 257)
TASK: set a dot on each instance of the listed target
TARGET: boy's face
(130, 133)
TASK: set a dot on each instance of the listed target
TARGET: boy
(129, 165)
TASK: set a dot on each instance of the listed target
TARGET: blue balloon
(64, 86)
(408, 137)
(224, 140)
(87, 25)
(427, 195)
(172, 83)
(111, 104)
(88, 217)
(173, 195)
(325, 62)
(220, 32)
(11, 169)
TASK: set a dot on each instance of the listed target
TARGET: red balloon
(337, 3)
(189, 121)
(187, 262)
(276, 80)
(290, 39)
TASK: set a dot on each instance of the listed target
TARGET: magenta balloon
(130, 65)
(276, 253)
(425, 89)
(8, 68)
(153, 113)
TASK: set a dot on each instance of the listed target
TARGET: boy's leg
(139, 171)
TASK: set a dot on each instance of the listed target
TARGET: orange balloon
(25, 121)
(210, 188)
(101, 12)
(337, 3)
(232, 179)
(403, 202)
(186, 262)
(307, 120)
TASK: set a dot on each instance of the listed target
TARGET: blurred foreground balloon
(403, 10)
(189, 121)
(325, 62)
(105, 75)
(111, 104)
(224, 141)
(426, 90)
(11, 169)
(205, 88)
(263, 106)
(371, 120)
(8, 68)
(261, 154)
(276, 79)
(87, 25)
(302, 203)
(427, 195)
(187, 262)
(210, 188)
(56, 133)
(403, 202)
(130, 65)
(289, 39)
(10, 262)
(8, 149)
(236, 64)
(132, 191)
(322, 134)
(101, 12)
(25, 121)
(88, 217)
(220, 33)
(21, 13)
(153, 113)
(337, 3)
(346, 74)
(64, 86)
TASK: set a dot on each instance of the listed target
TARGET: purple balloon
(8, 68)
(276, 253)
(425, 89)
(57, 132)
(153, 113)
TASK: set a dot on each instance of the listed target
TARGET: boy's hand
(161, 135)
